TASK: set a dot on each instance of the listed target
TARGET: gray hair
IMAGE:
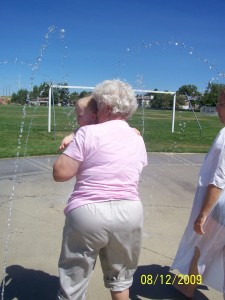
(118, 95)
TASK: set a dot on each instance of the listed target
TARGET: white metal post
(49, 108)
(174, 109)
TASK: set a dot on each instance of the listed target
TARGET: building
(38, 101)
(208, 110)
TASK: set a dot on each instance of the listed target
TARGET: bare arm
(65, 168)
(65, 142)
(212, 195)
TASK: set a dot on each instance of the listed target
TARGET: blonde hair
(88, 103)
(118, 95)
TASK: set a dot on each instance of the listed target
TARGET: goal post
(51, 87)
(163, 92)
(91, 88)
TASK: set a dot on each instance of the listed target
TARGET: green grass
(24, 133)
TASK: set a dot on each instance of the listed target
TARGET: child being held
(86, 113)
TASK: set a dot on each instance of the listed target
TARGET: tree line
(188, 93)
(60, 95)
(165, 101)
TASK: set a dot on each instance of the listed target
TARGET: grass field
(24, 131)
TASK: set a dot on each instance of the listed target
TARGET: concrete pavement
(31, 223)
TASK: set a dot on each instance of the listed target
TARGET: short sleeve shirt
(112, 156)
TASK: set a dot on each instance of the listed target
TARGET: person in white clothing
(202, 249)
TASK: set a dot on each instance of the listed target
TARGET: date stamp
(170, 279)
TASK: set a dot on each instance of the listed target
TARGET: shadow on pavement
(28, 284)
(155, 282)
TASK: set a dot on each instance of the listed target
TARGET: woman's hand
(199, 224)
(212, 195)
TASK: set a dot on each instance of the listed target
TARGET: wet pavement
(31, 223)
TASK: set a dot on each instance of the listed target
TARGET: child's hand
(136, 130)
(65, 142)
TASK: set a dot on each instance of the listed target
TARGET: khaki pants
(112, 230)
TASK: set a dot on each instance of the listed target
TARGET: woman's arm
(212, 195)
(65, 168)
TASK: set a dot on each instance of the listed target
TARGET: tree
(180, 100)
(162, 101)
(211, 94)
(55, 96)
(74, 97)
(63, 93)
(190, 90)
(84, 94)
(35, 92)
(20, 97)
(44, 90)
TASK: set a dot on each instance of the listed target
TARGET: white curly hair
(118, 95)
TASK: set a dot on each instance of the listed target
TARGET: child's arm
(136, 130)
(65, 142)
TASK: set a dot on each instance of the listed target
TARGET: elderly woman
(104, 215)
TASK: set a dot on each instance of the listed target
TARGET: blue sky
(161, 44)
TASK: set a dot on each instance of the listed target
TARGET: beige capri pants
(112, 230)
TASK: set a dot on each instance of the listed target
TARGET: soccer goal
(91, 88)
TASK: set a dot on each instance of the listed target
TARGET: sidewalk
(31, 223)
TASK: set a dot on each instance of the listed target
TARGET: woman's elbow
(57, 177)
(61, 177)
(64, 168)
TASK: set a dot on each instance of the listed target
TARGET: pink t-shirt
(112, 156)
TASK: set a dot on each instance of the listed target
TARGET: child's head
(86, 111)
